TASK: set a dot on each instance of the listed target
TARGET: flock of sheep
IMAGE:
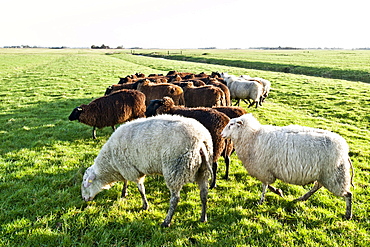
(181, 123)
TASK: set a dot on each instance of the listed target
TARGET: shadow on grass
(42, 124)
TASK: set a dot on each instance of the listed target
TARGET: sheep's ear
(239, 122)
(89, 180)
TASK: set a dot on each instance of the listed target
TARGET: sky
(180, 24)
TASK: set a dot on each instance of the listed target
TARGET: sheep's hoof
(280, 193)
(164, 224)
(348, 216)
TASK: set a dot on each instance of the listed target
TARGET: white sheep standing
(294, 154)
(266, 85)
(179, 148)
(241, 88)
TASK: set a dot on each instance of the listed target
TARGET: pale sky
(185, 24)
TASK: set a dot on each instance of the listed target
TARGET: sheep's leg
(114, 128)
(124, 190)
(237, 102)
(94, 133)
(227, 163)
(278, 192)
(348, 198)
(141, 188)
(264, 188)
(214, 171)
(203, 197)
(316, 186)
(175, 198)
(261, 100)
(249, 102)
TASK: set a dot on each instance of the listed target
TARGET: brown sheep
(160, 90)
(206, 96)
(110, 110)
(231, 112)
(217, 83)
(213, 120)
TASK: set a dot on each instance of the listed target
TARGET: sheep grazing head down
(91, 185)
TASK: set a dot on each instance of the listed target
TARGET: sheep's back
(245, 89)
(113, 109)
(297, 155)
(213, 120)
(157, 145)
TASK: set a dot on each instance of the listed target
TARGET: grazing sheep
(160, 90)
(231, 112)
(212, 119)
(144, 147)
(110, 110)
(244, 89)
(294, 154)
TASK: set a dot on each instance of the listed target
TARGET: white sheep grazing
(179, 148)
(294, 154)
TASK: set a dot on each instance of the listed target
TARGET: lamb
(212, 119)
(294, 154)
(110, 110)
(157, 91)
(182, 157)
(244, 89)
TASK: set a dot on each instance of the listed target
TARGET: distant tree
(100, 47)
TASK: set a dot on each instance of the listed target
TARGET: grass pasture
(43, 155)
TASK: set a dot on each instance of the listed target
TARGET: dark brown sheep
(215, 121)
(217, 83)
(118, 87)
(110, 110)
(160, 90)
(206, 96)
(231, 112)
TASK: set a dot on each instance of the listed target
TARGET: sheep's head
(75, 114)
(231, 127)
(246, 123)
(90, 186)
(151, 110)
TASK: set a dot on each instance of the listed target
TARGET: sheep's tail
(352, 172)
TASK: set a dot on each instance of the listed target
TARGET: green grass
(43, 157)
(342, 64)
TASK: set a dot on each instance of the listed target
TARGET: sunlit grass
(43, 157)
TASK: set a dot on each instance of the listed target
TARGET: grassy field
(43, 155)
(345, 64)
